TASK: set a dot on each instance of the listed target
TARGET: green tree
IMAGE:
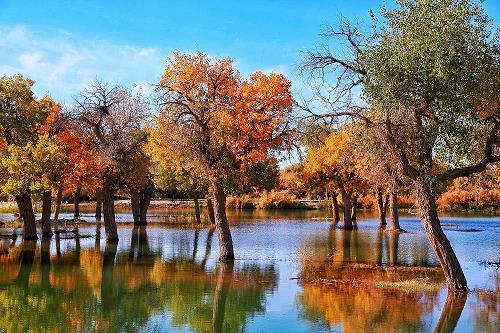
(430, 69)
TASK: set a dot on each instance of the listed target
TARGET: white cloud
(63, 64)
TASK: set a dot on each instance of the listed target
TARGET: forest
(403, 116)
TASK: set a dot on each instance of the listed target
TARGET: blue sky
(63, 45)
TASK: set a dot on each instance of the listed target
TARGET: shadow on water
(78, 287)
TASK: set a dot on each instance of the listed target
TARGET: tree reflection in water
(352, 301)
(121, 289)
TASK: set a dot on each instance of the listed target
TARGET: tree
(430, 68)
(334, 161)
(21, 116)
(222, 122)
(112, 121)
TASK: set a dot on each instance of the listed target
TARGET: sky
(64, 45)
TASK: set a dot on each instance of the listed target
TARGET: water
(167, 278)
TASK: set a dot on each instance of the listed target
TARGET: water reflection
(126, 288)
(357, 270)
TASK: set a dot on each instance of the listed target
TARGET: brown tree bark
(136, 206)
(98, 203)
(25, 207)
(347, 205)
(210, 208)
(226, 251)
(46, 207)
(76, 202)
(382, 207)
(27, 259)
(394, 211)
(140, 201)
(455, 277)
(109, 211)
(57, 209)
(197, 208)
(335, 208)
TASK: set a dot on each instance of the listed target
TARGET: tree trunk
(226, 251)
(381, 208)
(25, 207)
(109, 212)
(354, 210)
(135, 201)
(197, 208)
(449, 263)
(46, 206)
(210, 208)
(195, 244)
(57, 209)
(27, 259)
(347, 205)
(335, 208)
(98, 203)
(394, 211)
(76, 202)
(146, 196)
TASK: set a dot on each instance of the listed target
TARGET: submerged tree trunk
(382, 207)
(109, 211)
(394, 211)
(76, 202)
(140, 201)
(46, 206)
(135, 203)
(347, 205)
(98, 203)
(57, 209)
(197, 208)
(226, 251)
(210, 208)
(25, 207)
(449, 263)
(335, 208)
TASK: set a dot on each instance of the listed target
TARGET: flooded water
(293, 273)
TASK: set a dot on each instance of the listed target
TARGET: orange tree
(221, 122)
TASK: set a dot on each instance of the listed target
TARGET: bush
(278, 200)
(470, 200)
(240, 202)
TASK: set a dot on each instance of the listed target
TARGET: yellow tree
(333, 161)
(226, 124)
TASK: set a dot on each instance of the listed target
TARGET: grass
(412, 285)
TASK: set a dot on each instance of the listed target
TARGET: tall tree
(113, 122)
(430, 70)
(224, 123)
(21, 116)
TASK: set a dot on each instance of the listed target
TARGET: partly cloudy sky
(63, 45)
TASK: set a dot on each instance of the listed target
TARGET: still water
(293, 273)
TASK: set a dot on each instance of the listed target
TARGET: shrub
(240, 202)
(278, 200)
